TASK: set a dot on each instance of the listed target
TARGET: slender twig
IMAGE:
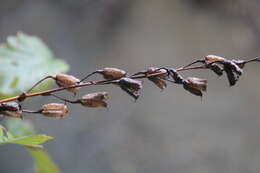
(100, 82)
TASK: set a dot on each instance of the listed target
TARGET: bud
(64, 80)
(54, 110)
(195, 85)
(212, 58)
(131, 86)
(94, 99)
(112, 73)
(11, 109)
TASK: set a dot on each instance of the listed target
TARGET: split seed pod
(11, 109)
(195, 85)
(176, 76)
(158, 80)
(233, 72)
(216, 69)
(57, 110)
(94, 99)
(112, 73)
(64, 80)
(130, 86)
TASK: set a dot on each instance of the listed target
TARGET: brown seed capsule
(195, 85)
(216, 69)
(112, 73)
(54, 110)
(131, 86)
(64, 80)
(94, 99)
(11, 109)
(158, 80)
(211, 58)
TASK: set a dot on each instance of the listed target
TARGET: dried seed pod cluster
(130, 84)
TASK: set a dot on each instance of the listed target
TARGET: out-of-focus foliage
(24, 60)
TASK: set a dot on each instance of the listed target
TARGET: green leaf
(29, 141)
(43, 163)
(25, 60)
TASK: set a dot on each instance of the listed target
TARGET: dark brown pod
(194, 91)
(11, 109)
(64, 80)
(232, 76)
(57, 110)
(176, 76)
(131, 86)
(195, 85)
(94, 99)
(216, 69)
(158, 80)
(112, 73)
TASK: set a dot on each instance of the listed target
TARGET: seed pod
(11, 109)
(158, 80)
(64, 80)
(232, 76)
(211, 58)
(216, 69)
(176, 76)
(195, 85)
(112, 73)
(131, 86)
(54, 110)
(94, 99)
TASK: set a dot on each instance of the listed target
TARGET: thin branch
(100, 82)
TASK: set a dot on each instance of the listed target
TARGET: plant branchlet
(130, 84)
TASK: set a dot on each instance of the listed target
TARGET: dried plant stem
(100, 82)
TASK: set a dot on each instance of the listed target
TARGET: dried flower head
(131, 86)
(11, 109)
(195, 85)
(57, 110)
(94, 99)
(64, 80)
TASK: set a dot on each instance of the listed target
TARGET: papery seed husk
(54, 110)
(192, 90)
(216, 69)
(94, 99)
(233, 67)
(239, 63)
(210, 58)
(158, 82)
(64, 80)
(112, 73)
(232, 77)
(197, 83)
(131, 83)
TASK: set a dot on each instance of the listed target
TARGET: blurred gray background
(166, 132)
